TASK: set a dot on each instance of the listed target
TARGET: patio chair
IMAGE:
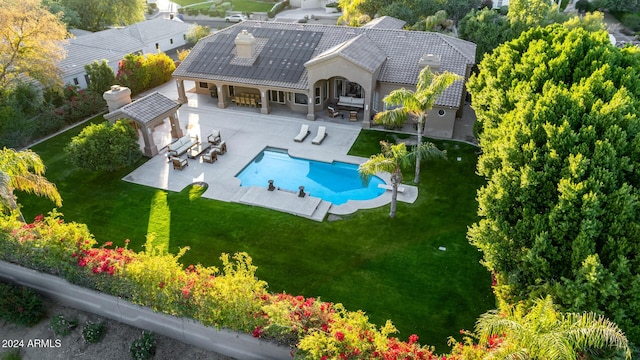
(322, 133)
(304, 132)
(179, 163)
(210, 156)
(333, 113)
(220, 147)
(253, 102)
(215, 137)
(353, 116)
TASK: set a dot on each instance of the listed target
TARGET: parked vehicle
(235, 18)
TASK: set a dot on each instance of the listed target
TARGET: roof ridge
(447, 38)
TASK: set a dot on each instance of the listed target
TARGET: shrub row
(278, 7)
(230, 297)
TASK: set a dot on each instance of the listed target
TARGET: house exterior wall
(440, 122)
(339, 67)
(166, 44)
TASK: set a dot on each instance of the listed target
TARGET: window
(318, 98)
(75, 81)
(204, 85)
(441, 112)
(170, 41)
(87, 79)
(276, 96)
(232, 91)
(184, 36)
(301, 99)
(157, 46)
(376, 100)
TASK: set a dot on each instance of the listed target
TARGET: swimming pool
(336, 182)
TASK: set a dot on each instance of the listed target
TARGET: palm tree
(391, 160)
(23, 171)
(416, 103)
(545, 333)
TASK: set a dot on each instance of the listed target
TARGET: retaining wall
(225, 342)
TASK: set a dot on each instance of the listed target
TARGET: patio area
(246, 134)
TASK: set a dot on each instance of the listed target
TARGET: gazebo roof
(146, 110)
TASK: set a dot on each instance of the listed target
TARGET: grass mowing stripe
(390, 268)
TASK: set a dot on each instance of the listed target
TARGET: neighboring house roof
(114, 44)
(111, 44)
(153, 30)
(146, 109)
(385, 22)
(284, 48)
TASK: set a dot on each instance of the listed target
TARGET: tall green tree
(486, 28)
(415, 103)
(618, 5)
(392, 159)
(96, 15)
(543, 332)
(23, 171)
(30, 42)
(560, 134)
(101, 76)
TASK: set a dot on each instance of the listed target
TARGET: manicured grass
(390, 268)
(238, 5)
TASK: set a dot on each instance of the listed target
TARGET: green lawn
(238, 5)
(390, 268)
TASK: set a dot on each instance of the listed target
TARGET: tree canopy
(30, 42)
(560, 135)
(96, 15)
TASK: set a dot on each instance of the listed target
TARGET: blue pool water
(336, 182)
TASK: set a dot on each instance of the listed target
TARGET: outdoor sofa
(182, 145)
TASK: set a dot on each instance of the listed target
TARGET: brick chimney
(117, 97)
(431, 60)
(245, 44)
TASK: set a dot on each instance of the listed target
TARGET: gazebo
(147, 112)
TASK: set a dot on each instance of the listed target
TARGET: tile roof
(385, 22)
(111, 44)
(145, 109)
(114, 44)
(360, 50)
(402, 50)
(153, 30)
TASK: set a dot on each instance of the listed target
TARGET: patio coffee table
(197, 150)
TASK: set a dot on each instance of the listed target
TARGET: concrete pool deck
(246, 133)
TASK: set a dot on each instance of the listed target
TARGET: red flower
(108, 243)
(257, 332)
(38, 218)
(339, 336)
(413, 339)
(161, 285)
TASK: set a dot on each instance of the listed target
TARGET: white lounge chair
(322, 133)
(304, 132)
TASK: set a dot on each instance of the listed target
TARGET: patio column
(311, 113)
(182, 96)
(176, 131)
(222, 99)
(150, 148)
(265, 102)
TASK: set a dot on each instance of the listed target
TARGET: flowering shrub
(61, 326)
(230, 297)
(143, 348)
(46, 244)
(93, 332)
(20, 305)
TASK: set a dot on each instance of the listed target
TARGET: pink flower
(413, 339)
(108, 243)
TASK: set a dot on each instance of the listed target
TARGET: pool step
(284, 201)
(321, 211)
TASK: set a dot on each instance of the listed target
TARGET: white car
(235, 18)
